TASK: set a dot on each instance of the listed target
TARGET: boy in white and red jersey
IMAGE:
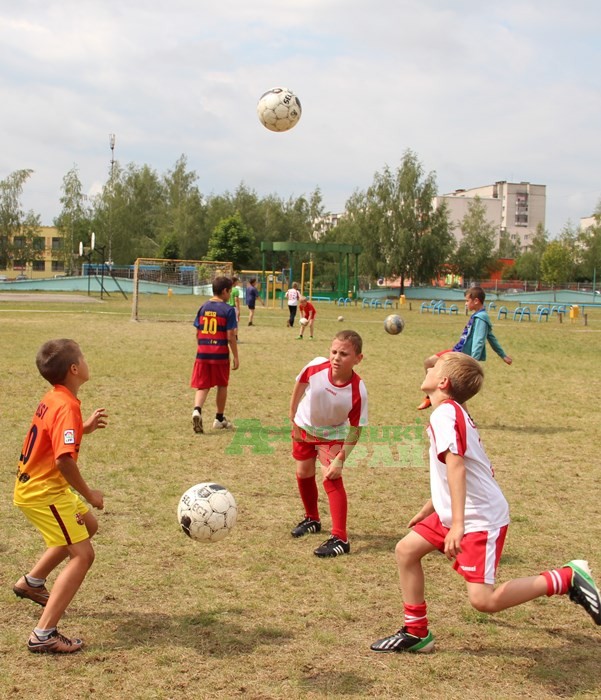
(328, 408)
(467, 518)
(47, 477)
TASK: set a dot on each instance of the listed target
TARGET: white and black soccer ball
(279, 109)
(394, 324)
(207, 512)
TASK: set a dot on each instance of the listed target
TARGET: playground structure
(344, 288)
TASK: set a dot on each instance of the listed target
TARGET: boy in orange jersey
(46, 475)
(216, 328)
(308, 312)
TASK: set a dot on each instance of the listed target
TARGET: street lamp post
(112, 145)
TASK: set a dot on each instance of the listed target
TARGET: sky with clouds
(480, 91)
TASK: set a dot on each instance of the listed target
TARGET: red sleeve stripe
(355, 414)
(311, 370)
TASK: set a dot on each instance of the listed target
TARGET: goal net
(169, 290)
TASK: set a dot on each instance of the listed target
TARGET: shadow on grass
(335, 683)
(532, 429)
(208, 632)
(379, 543)
(565, 672)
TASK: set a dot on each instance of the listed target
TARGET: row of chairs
(542, 311)
(438, 307)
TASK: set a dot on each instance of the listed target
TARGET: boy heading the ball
(46, 475)
(216, 326)
(328, 408)
(467, 518)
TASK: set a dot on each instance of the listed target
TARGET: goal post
(162, 277)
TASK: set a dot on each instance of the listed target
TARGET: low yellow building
(49, 247)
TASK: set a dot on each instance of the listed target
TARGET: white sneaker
(197, 421)
(224, 424)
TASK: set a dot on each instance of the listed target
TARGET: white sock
(35, 582)
(43, 634)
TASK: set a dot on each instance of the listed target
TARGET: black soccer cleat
(403, 641)
(583, 590)
(305, 527)
(332, 547)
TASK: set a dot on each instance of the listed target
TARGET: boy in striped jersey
(467, 518)
(216, 328)
(328, 408)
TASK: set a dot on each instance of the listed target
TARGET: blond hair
(353, 338)
(465, 375)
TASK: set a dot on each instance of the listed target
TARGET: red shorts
(480, 553)
(305, 446)
(205, 375)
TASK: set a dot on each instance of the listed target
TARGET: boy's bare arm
(297, 395)
(69, 469)
(457, 489)
(97, 420)
(233, 343)
(427, 509)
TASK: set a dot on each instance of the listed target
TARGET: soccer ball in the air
(393, 324)
(341, 318)
(207, 512)
(303, 321)
(279, 109)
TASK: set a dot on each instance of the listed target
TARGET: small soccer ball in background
(304, 321)
(341, 318)
(279, 109)
(207, 512)
(394, 324)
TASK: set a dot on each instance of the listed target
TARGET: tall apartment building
(516, 208)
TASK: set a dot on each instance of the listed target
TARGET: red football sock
(558, 580)
(307, 488)
(338, 506)
(416, 620)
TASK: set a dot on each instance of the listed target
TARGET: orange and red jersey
(213, 320)
(308, 310)
(56, 430)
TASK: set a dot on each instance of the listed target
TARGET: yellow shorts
(60, 523)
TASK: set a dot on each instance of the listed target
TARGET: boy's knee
(482, 601)
(402, 552)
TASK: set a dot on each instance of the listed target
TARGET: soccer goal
(158, 283)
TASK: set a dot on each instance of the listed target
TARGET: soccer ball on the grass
(207, 512)
(303, 321)
(341, 318)
(279, 109)
(394, 324)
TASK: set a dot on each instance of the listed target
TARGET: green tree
(404, 234)
(18, 229)
(74, 220)
(231, 241)
(590, 245)
(476, 256)
(182, 212)
(556, 264)
(527, 265)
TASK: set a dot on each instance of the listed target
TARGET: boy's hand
(96, 499)
(452, 542)
(426, 510)
(334, 470)
(507, 360)
(235, 363)
(96, 421)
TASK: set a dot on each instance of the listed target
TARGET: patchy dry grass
(257, 615)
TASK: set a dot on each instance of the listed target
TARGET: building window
(39, 243)
(38, 266)
(521, 209)
(58, 266)
(57, 244)
(19, 242)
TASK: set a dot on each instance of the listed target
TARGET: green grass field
(257, 615)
